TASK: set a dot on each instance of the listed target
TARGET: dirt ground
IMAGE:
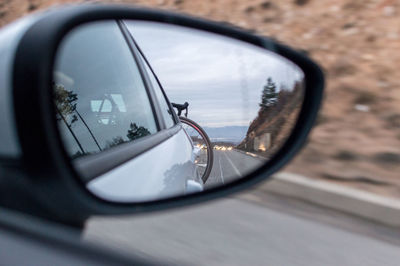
(356, 141)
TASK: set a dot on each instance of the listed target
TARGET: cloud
(220, 77)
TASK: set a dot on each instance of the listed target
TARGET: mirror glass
(148, 111)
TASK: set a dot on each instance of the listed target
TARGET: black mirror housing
(37, 145)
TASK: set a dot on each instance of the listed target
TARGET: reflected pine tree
(269, 96)
(136, 132)
(65, 101)
(115, 142)
(278, 113)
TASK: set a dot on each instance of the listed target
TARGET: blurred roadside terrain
(356, 141)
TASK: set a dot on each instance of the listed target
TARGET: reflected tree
(65, 101)
(136, 132)
(269, 96)
(115, 142)
(278, 114)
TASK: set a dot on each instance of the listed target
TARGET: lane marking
(233, 166)
(251, 154)
(220, 169)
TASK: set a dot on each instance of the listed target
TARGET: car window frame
(92, 166)
(146, 61)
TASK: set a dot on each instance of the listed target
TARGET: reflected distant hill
(274, 122)
(232, 134)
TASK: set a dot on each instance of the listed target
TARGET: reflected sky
(220, 77)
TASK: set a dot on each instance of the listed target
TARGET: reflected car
(98, 111)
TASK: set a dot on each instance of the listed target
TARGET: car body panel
(172, 172)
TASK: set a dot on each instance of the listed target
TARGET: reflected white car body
(166, 170)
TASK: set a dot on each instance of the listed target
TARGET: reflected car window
(165, 109)
(99, 94)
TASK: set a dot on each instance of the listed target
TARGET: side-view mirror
(120, 110)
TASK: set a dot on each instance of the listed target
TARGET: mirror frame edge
(52, 172)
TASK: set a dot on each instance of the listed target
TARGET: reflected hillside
(276, 117)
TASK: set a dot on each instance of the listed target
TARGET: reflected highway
(231, 165)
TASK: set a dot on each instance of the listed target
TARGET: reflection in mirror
(233, 107)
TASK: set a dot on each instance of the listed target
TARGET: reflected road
(231, 165)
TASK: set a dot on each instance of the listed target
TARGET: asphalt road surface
(250, 229)
(231, 165)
